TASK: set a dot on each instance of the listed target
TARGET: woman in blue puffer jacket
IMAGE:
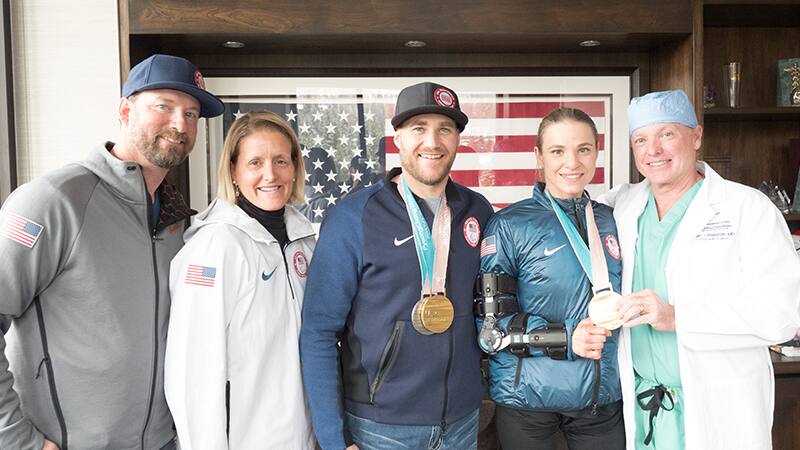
(572, 386)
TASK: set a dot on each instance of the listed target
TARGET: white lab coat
(734, 278)
(244, 330)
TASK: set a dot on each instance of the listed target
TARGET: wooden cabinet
(785, 432)
(750, 144)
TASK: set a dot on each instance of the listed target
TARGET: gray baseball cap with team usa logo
(428, 98)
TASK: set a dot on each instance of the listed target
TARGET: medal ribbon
(591, 259)
(432, 247)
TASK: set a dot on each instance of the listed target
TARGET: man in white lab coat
(710, 279)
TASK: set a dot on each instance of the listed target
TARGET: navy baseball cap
(172, 72)
(428, 98)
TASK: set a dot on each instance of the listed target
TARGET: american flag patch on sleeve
(200, 275)
(21, 230)
(488, 246)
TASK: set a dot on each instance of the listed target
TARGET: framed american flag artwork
(344, 129)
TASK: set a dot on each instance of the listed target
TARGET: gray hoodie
(84, 307)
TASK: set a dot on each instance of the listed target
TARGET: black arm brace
(495, 293)
(552, 338)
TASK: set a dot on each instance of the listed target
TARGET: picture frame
(789, 82)
(346, 137)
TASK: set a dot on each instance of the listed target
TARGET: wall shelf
(751, 13)
(751, 143)
(718, 114)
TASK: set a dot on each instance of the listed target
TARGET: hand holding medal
(603, 310)
(646, 307)
(589, 339)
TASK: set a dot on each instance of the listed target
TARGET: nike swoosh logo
(548, 252)
(266, 277)
(399, 242)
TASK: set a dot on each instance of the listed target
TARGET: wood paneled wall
(342, 38)
(386, 17)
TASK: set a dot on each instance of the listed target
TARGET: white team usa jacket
(734, 278)
(235, 321)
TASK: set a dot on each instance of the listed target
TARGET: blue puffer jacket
(532, 247)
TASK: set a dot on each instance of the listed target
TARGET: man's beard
(160, 152)
(411, 166)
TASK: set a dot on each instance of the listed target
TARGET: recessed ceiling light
(589, 43)
(415, 44)
(233, 44)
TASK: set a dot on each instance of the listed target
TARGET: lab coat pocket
(735, 396)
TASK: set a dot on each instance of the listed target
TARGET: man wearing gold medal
(712, 279)
(388, 338)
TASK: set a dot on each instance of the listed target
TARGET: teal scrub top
(655, 353)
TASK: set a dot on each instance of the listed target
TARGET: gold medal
(432, 314)
(603, 312)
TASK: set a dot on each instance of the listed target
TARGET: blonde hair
(244, 126)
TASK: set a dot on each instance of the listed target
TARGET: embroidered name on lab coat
(717, 230)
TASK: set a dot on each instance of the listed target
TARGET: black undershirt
(271, 220)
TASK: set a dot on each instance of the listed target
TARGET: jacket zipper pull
(596, 387)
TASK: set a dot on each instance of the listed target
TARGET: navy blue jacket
(532, 247)
(362, 285)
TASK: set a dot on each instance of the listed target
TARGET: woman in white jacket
(232, 372)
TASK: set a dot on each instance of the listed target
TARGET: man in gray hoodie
(85, 254)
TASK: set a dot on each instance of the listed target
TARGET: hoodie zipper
(596, 365)
(286, 265)
(578, 218)
(447, 376)
(151, 232)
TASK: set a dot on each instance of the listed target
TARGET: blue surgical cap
(661, 107)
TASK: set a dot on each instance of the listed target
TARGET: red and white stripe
(488, 247)
(194, 275)
(495, 156)
(14, 229)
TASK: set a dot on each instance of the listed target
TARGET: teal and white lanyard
(591, 258)
(432, 247)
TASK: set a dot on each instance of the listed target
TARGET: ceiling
(383, 26)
